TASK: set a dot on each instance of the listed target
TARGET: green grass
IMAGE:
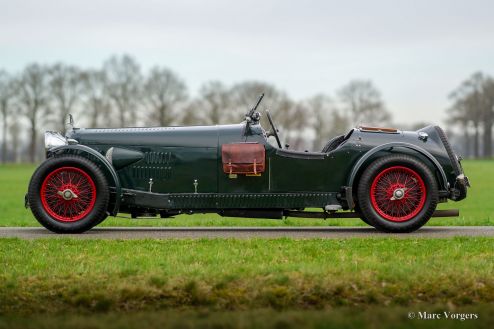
(70, 276)
(477, 209)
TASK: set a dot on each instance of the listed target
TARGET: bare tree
(289, 116)
(124, 81)
(6, 95)
(15, 134)
(65, 89)
(163, 90)
(244, 95)
(292, 119)
(191, 113)
(320, 107)
(325, 119)
(215, 99)
(362, 103)
(469, 106)
(95, 97)
(458, 115)
(33, 93)
(488, 115)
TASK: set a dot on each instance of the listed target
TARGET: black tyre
(361, 216)
(397, 193)
(105, 216)
(68, 194)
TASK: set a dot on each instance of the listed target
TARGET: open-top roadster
(391, 179)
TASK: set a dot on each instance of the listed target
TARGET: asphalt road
(245, 232)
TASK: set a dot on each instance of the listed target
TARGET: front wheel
(361, 216)
(68, 194)
(397, 193)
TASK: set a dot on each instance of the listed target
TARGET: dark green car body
(171, 170)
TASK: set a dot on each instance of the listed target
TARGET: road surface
(245, 232)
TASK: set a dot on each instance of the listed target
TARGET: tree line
(121, 94)
(472, 111)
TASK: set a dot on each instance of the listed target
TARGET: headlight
(54, 139)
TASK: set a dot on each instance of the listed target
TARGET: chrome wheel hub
(67, 194)
(398, 194)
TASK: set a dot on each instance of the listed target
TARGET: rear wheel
(397, 193)
(68, 194)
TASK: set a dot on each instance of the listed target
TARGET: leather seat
(333, 144)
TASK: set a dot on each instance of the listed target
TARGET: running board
(353, 214)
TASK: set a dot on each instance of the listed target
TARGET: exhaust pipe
(446, 213)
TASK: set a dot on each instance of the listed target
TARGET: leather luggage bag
(243, 158)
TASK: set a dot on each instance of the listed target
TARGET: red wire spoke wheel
(398, 193)
(68, 194)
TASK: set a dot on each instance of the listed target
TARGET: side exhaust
(446, 213)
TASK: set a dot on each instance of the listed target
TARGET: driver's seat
(333, 144)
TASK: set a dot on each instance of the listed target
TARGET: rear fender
(443, 181)
(99, 159)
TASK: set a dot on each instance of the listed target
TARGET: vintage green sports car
(391, 179)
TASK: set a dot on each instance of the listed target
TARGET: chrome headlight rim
(54, 139)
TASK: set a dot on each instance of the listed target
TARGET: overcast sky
(416, 52)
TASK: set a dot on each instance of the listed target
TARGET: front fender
(85, 150)
(358, 166)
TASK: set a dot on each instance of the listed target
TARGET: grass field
(63, 276)
(57, 275)
(245, 283)
(477, 209)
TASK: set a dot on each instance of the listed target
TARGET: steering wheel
(274, 131)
